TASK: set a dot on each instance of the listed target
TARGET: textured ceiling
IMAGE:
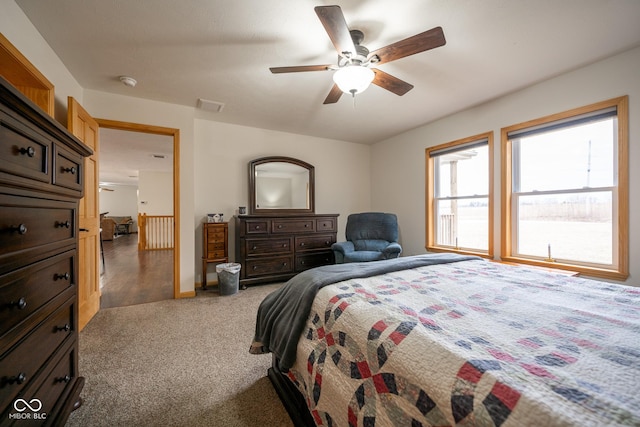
(221, 50)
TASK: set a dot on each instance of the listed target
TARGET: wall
(222, 155)
(154, 197)
(122, 201)
(400, 161)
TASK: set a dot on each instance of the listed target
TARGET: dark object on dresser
(275, 248)
(41, 182)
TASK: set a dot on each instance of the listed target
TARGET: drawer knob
(71, 170)
(279, 225)
(65, 224)
(65, 328)
(257, 227)
(306, 226)
(18, 379)
(64, 379)
(21, 303)
(327, 243)
(64, 276)
(284, 245)
(254, 248)
(21, 229)
(284, 264)
(302, 244)
(29, 151)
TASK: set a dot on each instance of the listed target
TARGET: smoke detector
(128, 81)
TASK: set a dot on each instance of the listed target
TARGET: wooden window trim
(430, 238)
(622, 271)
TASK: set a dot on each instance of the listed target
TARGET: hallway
(132, 277)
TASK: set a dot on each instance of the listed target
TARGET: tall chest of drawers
(275, 248)
(41, 183)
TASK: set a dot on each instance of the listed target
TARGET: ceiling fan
(354, 70)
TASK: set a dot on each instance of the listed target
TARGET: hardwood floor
(132, 277)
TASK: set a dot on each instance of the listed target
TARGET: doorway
(132, 276)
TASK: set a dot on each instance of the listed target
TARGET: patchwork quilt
(471, 343)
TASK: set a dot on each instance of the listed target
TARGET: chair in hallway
(371, 236)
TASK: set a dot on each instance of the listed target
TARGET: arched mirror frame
(254, 210)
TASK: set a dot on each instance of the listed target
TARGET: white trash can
(228, 278)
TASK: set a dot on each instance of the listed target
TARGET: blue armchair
(371, 236)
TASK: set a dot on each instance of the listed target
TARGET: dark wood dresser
(41, 183)
(276, 248)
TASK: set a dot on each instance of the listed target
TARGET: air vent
(158, 156)
(206, 105)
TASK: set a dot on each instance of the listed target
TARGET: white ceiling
(124, 154)
(221, 50)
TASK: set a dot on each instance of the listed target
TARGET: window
(459, 196)
(565, 190)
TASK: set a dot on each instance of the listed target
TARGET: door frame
(175, 134)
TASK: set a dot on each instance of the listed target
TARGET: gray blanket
(283, 313)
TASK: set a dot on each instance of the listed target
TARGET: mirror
(280, 185)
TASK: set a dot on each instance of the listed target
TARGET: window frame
(430, 199)
(620, 192)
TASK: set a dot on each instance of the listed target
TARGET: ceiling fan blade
(297, 69)
(334, 95)
(334, 23)
(419, 43)
(391, 83)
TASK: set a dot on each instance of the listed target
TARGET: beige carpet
(178, 363)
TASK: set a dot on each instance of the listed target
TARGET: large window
(565, 189)
(459, 183)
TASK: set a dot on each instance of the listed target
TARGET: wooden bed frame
(290, 396)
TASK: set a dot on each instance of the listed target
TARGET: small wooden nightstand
(215, 246)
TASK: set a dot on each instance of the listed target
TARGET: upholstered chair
(371, 236)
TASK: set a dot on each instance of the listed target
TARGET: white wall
(122, 201)
(154, 197)
(222, 156)
(400, 161)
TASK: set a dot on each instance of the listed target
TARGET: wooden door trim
(175, 133)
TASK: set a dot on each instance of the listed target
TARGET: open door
(85, 128)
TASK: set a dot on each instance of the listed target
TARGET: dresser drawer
(23, 153)
(314, 242)
(326, 224)
(67, 169)
(256, 226)
(268, 246)
(315, 259)
(50, 384)
(26, 223)
(271, 266)
(20, 365)
(293, 226)
(26, 290)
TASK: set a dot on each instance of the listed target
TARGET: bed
(445, 339)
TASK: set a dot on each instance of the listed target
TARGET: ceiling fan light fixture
(353, 79)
